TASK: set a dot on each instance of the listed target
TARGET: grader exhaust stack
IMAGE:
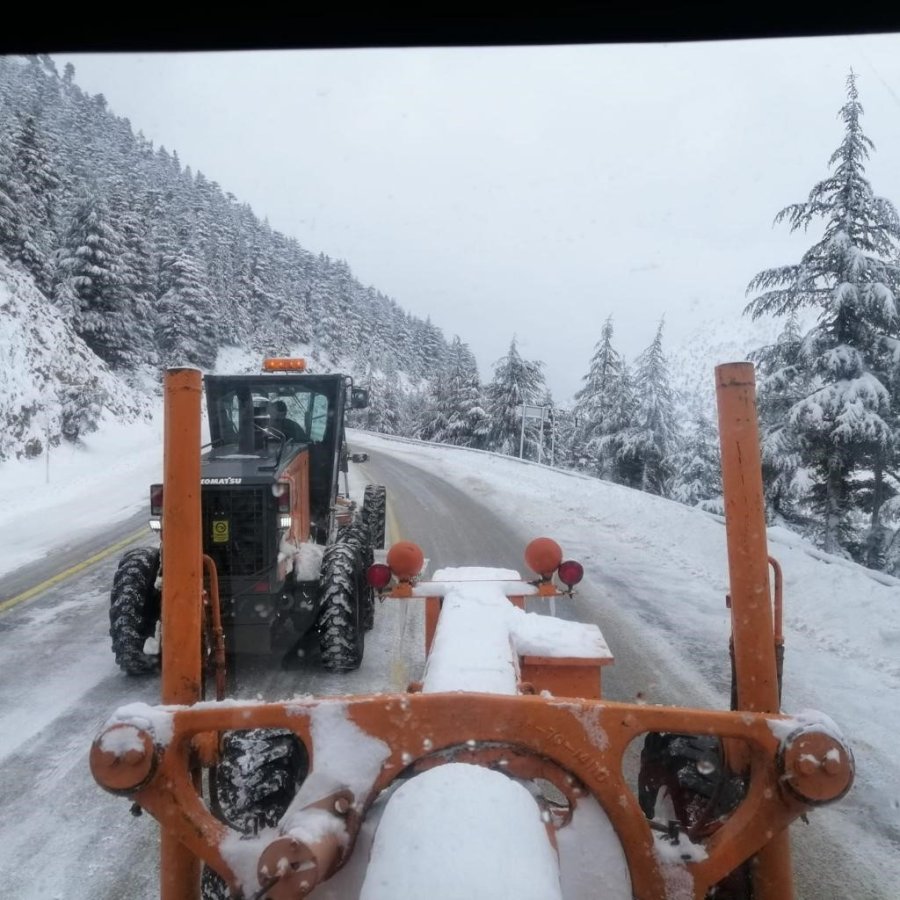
(542, 720)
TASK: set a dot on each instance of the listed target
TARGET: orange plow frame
(584, 738)
(792, 766)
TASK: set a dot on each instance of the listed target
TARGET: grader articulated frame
(154, 755)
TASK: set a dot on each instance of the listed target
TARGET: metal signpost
(538, 414)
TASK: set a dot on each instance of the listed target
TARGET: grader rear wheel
(134, 609)
(374, 513)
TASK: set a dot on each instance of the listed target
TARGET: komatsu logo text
(229, 480)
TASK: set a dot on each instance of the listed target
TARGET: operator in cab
(279, 421)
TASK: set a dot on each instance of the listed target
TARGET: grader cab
(504, 772)
(290, 549)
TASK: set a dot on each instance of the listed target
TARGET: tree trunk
(877, 490)
(834, 491)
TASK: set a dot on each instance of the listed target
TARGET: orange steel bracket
(586, 739)
(570, 676)
(778, 621)
(182, 604)
(432, 614)
(217, 633)
(756, 674)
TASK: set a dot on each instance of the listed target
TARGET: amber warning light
(284, 364)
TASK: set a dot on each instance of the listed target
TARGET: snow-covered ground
(81, 490)
(668, 564)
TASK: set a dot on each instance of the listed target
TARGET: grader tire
(258, 775)
(690, 770)
(341, 622)
(134, 609)
(374, 512)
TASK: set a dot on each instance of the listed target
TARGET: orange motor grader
(717, 790)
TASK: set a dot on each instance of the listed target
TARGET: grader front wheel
(341, 623)
(258, 775)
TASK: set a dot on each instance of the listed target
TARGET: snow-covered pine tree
(329, 324)
(845, 424)
(272, 334)
(92, 279)
(37, 199)
(782, 380)
(10, 213)
(434, 415)
(654, 433)
(163, 243)
(610, 443)
(138, 267)
(383, 412)
(429, 349)
(20, 238)
(561, 437)
(81, 404)
(350, 311)
(596, 400)
(516, 381)
(467, 420)
(186, 328)
(411, 409)
(402, 341)
(697, 467)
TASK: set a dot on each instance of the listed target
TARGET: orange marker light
(543, 555)
(284, 364)
(405, 559)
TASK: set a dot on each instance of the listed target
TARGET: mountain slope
(50, 381)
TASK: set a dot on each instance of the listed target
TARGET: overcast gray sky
(534, 190)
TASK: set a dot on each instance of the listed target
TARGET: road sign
(538, 413)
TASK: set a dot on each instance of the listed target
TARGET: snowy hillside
(105, 477)
(50, 382)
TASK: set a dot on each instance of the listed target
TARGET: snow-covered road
(656, 582)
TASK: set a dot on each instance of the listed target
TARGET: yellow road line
(399, 668)
(393, 529)
(72, 570)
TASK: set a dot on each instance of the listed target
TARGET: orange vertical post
(182, 590)
(748, 564)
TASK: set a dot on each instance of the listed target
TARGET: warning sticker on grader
(220, 531)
